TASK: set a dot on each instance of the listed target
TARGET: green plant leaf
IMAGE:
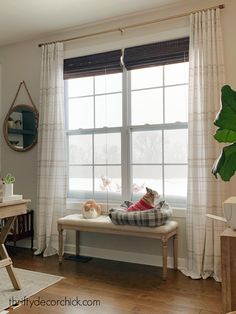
(226, 118)
(225, 136)
(225, 165)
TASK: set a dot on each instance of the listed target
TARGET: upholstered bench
(103, 224)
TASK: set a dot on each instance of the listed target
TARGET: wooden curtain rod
(122, 29)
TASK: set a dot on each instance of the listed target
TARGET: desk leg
(4, 255)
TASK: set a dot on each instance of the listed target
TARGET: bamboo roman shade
(96, 64)
(161, 53)
(166, 52)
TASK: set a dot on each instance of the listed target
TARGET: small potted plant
(8, 185)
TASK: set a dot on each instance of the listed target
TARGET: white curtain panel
(205, 192)
(51, 198)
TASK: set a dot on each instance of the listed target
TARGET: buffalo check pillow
(153, 217)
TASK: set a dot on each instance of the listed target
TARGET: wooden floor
(120, 287)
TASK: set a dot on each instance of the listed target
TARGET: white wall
(22, 62)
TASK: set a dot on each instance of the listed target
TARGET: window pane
(80, 86)
(175, 146)
(147, 106)
(108, 179)
(147, 77)
(80, 113)
(80, 149)
(108, 110)
(107, 148)
(150, 176)
(175, 181)
(108, 83)
(147, 147)
(176, 104)
(176, 73)
(80, 178)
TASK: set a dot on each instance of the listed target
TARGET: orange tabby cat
(91, 209)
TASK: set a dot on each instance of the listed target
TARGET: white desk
(10, 210)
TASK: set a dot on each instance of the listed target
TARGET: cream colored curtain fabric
(205, 193)
(51, 199)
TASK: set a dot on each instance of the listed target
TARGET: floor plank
(119, 287)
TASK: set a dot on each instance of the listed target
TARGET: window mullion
(154, 127)
(125, 138)
(162, 134)
(94, 124)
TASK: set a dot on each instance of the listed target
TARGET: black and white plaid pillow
(154, 217)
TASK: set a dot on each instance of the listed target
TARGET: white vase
(8, 189)
(229, 207)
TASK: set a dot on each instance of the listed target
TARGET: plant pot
(229, 207)
(7, 190)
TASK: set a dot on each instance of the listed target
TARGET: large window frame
(126, 131)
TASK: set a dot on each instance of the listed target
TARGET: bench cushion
(104, 223)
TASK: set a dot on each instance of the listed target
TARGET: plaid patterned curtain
(51, 198)
(205, 193)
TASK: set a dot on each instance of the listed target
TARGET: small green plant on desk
(8, 185)
(9, 178)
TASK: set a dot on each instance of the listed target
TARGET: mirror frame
(5, 127)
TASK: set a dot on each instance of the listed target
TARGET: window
(94, 135)
(127, 129)
(159, 130)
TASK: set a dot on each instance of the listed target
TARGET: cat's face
(91, 209)
(151, 195)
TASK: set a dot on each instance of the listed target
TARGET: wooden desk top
(8, 203)
(13, 208)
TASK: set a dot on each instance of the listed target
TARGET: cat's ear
(148, 190)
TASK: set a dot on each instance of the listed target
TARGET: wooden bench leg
(60, 240)
(175, 250)
(164, 257)
(77, 242)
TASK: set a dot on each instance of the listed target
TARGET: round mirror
(20, 127)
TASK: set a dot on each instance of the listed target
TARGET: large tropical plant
(225, 165)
